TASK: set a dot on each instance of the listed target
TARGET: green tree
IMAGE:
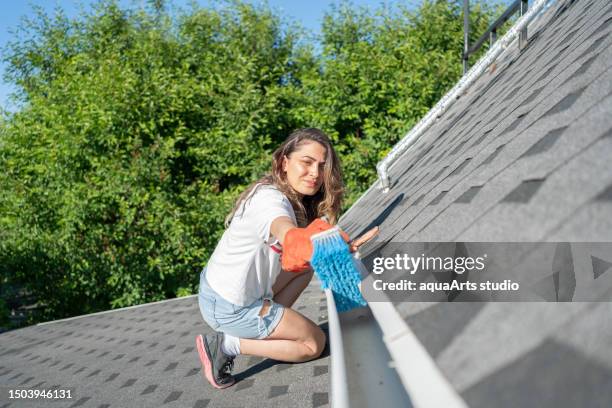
(135, 135)
(137, 131)
(380, 73)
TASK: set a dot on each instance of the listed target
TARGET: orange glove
(297, 248)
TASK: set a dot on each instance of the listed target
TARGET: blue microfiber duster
(333, 263)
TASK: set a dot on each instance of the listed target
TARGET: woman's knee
(316, 343)
(321, 341)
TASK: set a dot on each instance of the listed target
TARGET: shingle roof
(509, 160)
(523, 156)
(146, 357)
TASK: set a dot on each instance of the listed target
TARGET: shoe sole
(207, 363)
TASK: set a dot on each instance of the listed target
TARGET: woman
(244, 294)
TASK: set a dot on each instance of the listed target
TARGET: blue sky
(308, 13)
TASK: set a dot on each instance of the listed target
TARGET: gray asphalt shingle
(523, 156)
(146, 357)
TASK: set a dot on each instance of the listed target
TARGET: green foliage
(137, 131)
(381, 73)
(4, 314)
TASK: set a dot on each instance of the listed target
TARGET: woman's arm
(297, 248)
(280, 226)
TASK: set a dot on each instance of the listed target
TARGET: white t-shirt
(244, 265)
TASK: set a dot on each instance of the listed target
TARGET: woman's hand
(356, 243)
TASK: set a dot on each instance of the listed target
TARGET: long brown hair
(326, 202)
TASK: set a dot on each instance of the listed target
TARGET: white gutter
(449, 99)
(424, 381)
(361, 374)
(339, 387)
(415, 380)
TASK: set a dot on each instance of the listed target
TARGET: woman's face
(304, 168)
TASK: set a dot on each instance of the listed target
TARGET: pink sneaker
(216, 364)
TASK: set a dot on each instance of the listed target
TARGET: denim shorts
(238, 321)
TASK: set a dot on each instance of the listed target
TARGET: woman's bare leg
(295, 339)
(289, 286)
